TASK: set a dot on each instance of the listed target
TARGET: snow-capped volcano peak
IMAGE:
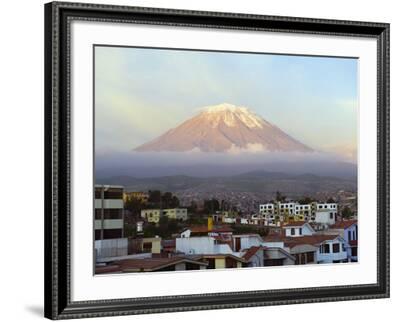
(231, 114)
(223, 128)
(220, 108)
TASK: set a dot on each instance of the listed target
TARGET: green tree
(331, 200)
(347, 213)
(154, 199)
(280, 197)
(211, 206)
(305, 200)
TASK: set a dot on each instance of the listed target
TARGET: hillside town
(138, 231)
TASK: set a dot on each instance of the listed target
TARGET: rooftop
(344, 224)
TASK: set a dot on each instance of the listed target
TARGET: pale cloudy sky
(141, 93)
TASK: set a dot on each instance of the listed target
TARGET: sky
(140, 93)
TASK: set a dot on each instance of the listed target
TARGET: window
(109, 213)
(300, 231)
(292, 231)
(349, 235)
(354, 251)
(331, 215)
(336, 248)
(325, 249)
(343, 249)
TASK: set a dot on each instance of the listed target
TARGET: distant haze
(201, 164)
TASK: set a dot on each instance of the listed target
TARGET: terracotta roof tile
(294, 224)
(251, 252)
(344, 224)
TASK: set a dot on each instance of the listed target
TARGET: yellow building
(151, 245)
(176, 213)
(154, 215)
(139, 195)
(151, 215)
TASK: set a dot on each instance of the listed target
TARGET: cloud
(250, 148)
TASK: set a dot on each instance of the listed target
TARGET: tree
(305, 200)
(280, 197)
(331, 200)
(154, 198)
(193, 207)
(211, 206)
(347, 213)
(129, 230)
(134, 205)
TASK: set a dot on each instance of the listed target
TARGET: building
(218, 261)
(151, 215)
(106, 248)
(176, 213)
(303, 212)
(212, 231)
(298, 229)
(348, 230)
(277, 256)
(267, 208)
(201, 245)
(245, 241)
(138, 195)
(109, 205)
(303, 249)
(325, 217)
(152, 265)
(324, 213)
(332, 249)
(154, 215)
(254, 256)
(151, 245)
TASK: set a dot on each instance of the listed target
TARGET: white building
(286, 208)
(245, 241)
(267, 208)
(332, 249)
(298, 229)
(201, 245)
(326, 217)
(109, 205)
(348, 230)
(154, 215)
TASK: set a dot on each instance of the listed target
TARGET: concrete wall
(111, 247)
(195, 245)
(325, 217)
(220, 263)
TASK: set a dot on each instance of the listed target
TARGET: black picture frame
(58, 304)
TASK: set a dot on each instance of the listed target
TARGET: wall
(111, 247)
(195, 245)
(21, 135)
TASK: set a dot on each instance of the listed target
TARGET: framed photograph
(207, 160)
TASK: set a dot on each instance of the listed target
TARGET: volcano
(225, 128)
